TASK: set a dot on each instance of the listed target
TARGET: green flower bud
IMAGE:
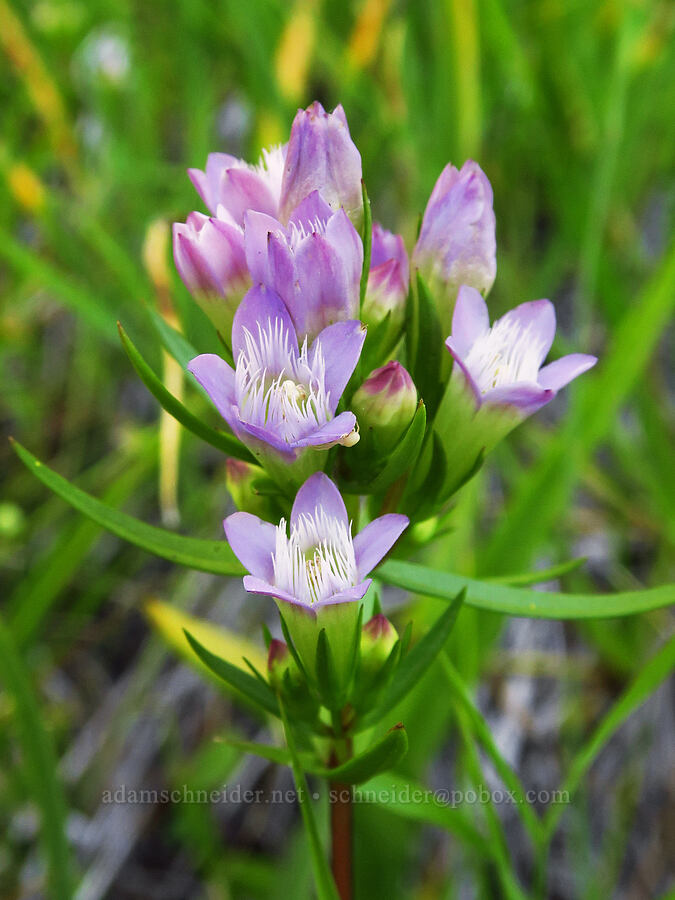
(377, 641)
(286, 678)
(278, 662)
(384, 406)
(239, 479)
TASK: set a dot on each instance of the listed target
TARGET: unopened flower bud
(240, 478)
(322, 156)
(278, 662)
(387, 289)
(377, 641)
(384, 406)
(210, 258)
(457, 240)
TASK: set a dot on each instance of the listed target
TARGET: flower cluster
(283, 269)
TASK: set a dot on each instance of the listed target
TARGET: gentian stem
(341, 835)
(341, 819)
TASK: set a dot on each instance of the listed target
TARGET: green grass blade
(37, 592)
(497, 836)
(521, 602)
(481, 730)
(173, 341)
(39, 760)
(66, 288)
(659, 667)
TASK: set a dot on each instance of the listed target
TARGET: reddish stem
(341, 832)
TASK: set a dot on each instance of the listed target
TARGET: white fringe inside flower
(317, 560)
(279, 389)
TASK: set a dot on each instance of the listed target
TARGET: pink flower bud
(377, 641)
(210, 258)
(384, 406)
(457, 240)
(388, 278)
(322, 156)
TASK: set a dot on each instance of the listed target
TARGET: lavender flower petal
(257, 230)
(388, 246)
(535, 321)
(266, 589)
(217, 379)
(349, 595)
(526, 398)
(322, 156)
(253, 542)
(341, 345)
(336, 431)
(373, 543)
(457, 240)
(559, 373)
(470, 319)
(230, 186)
(319, 493)
(260, 306)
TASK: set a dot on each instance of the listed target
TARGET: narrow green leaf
(207, 556)
(541, 575)
(426, 483)
(381, 757)
(325, 885)
(36, 594)
(325, 672)
(419, 804)
(266, 751)
(404, 455)
(40, 764)
(415, 663)
(217, 557)
(522, 602)
(428, 348)
(173, 341)
(219, 439)
(251, 688)
(367, 242)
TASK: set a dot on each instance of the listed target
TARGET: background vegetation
(568, 108)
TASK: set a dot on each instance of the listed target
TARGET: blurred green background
(568, 107)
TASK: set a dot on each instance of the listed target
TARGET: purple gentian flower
(230, 186)
(388, 280)
(210, 258)
(314, 264)
(322, 156)
(502, 363)
(457, 240)
(316, 570)
(280, 399)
